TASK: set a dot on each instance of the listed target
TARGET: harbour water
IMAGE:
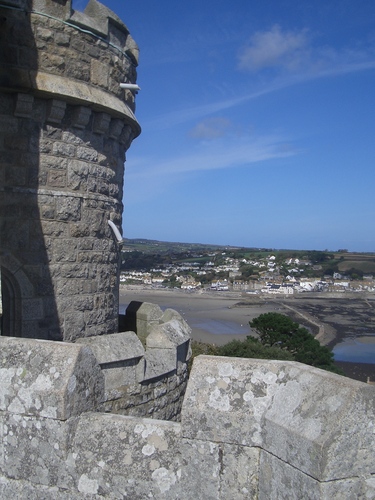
(217, 319)
(356, 350)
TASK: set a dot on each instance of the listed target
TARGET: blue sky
(258, 123)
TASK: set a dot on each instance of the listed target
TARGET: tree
(252, 348)
(274, 328)
(278, 330)
(246, 271)
(317, 257)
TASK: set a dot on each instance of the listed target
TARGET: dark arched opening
(11, 318)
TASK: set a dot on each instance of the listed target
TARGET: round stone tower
(65, 125)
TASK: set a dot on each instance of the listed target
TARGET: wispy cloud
(274, 48)
(294, 53)
(185, 115)
(295, 61)
(155, 176)
(219, 154)
(211, 128)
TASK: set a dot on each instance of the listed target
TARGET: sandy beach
(219, 317)
(213, 316)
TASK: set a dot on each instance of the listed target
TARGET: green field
(366, 264)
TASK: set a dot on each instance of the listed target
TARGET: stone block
(24, 105)
(321, 423)
(132, 50)
(56, 179)
(63, 149)
(159, 362)
(279, 481)
(141, 317)
(64, 250)
(35, 449)
(220, 403)
(48, 379)
(115, 128)
(170, 334)
(68, 208)
(167, 345)
(61, 10)
(239, 472)
(99, 73)
(101, 123)
(15, 488)
(118, 355)
(81, 117)
(318, 422)
(55, 111)
(142, 458)
(74, 325)
(87, 154)
(115, 347)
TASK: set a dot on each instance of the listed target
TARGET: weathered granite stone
(167, 344)
(96, 455)
(141, 317)
(239, 472)
(11, 489)
(34, 449)
(24, 105)
(307, 423)
(279, 481)
(170, 333)
(141, 458)
(119, 356)
(297, 413)
(159, 362)
(56, 111)
(49, 379)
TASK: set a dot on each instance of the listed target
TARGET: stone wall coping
(145, 311)
(49, 379)
(250, 429)
(318, 422)
(114, 347)
(169, 335)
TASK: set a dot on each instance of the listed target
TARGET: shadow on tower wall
(29, 308)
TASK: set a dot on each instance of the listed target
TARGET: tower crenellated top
(96, 18)
(78, 57)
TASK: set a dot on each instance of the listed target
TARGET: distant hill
(152, 246)
(154, 251)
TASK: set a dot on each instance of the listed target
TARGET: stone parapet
(315, 429)
(144, 380)
(250, 429)
(50, 380)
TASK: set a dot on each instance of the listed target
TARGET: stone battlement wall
(249, 429)
(144, 367)
(65, 126)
